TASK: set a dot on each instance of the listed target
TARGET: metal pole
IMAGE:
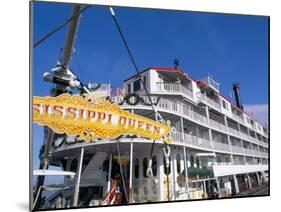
(204, 187)
(69, 45)
(131, 174)
(68, 50)
(185, 173)
(109, 173)
(182, 130)
(76, 191)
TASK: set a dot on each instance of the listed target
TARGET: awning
(193, 172)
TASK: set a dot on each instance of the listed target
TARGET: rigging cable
(166, 148)
(59, 27)
(158, 117)
(133, 61)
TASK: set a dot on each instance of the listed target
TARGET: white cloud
(258, 111)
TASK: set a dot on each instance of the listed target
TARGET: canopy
(192, 172)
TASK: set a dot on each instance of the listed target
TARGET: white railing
(221, 146)
(194, 116)
(218, 125)
(214, 145)
(177, 136)
(206, 100)
(192, 140)
(244, 136)
(233, 131)
(248, 151)
(174, 88)
(264, 154)
(237, 149)
(208, 80)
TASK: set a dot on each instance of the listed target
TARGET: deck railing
(221, 146)
(206, 100)
(208, 80)
(237, 118)
(192, 140)
(237, 149)
(248, 151)
(218, 125)
(174, 88)
(196, 117)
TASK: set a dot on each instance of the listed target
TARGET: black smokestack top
(176, 63)
(236, 89)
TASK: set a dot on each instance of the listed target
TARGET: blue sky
(231, 48)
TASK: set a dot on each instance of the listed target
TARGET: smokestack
(176, 63)
(237, 95)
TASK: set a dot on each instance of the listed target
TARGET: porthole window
(191, 161)
(129, 88)
(137, 85)
(154, 166)
(144, 81)
(137, 166)
(144, 166)
(167, 170)
(197, 162)
(178, 164)
(73, 166)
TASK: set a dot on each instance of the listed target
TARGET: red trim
(233, 104)
(243, 111)
(162, 69)
(136, 75)
(196, 81)
(204, 84)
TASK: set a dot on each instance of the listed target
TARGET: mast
(65, 80)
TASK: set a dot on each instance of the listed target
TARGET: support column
(209, 130)
(182, 130)
(258, 178)
(236, 184)
(174, 179)
(211, 139)
(219, 189)
(245, 161)
(249, 181)
(109, 173)
(76, 190)
(131, 174)
(229, 141)
(161, 177)
(204, 189)
(186, 173)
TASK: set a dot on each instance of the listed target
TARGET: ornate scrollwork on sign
(89, 119)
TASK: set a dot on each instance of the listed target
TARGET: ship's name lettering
(88, 115)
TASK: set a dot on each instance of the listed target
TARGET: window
(154, 166)
(137, 166)
(167, 170)
(144, 166)
(197, 162)
(129, 88)
(73, 166)
(192, 161)
(224, 104)
(144, 81)
(178, 164)
(137, 85)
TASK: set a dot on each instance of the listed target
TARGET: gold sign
(87, 119)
